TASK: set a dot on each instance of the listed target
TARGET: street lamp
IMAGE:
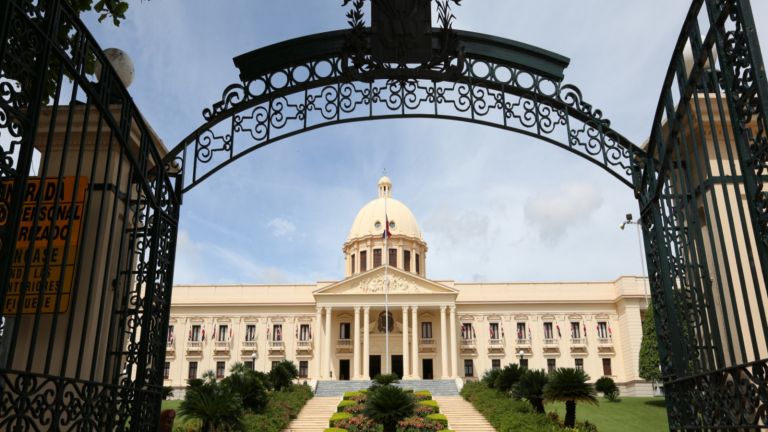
(253, 360)
(629, 221)
(521, 353)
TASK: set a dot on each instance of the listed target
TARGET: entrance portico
(411, 315)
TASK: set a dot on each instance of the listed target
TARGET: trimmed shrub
(335, 430)
(344, 404)
(385, 379)
(388, 405)
(508, 377)
(432, 404)
(351, 395)
(423, 410)
(608, 388)
(338, 416)
(490, 376)
(418, 424)
(281, 408)
(359, 423)
(441, 418)
(504, 413)
(423, 395)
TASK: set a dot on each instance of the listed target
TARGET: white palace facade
(438, 329)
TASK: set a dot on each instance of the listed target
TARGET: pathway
(315, 415)
(462, 416)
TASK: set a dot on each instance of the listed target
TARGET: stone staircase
(436, 387)
(462, 416)
(314, 416)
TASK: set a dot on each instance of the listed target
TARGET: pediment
(373, 282)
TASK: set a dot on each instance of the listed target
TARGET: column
(405, 343)
(318, 348)
(366, 342)
(443, 345)
(454, 363)
(328, 331)
(356, 345)
(415, 343)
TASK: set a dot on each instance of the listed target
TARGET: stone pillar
(406, 374)
(415, 343)
(356, 345)
(366, 342)
(328, 331)
(454, 360)
(444, 373)
(318, 349)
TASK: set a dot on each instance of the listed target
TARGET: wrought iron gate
(704, 213)
(88, 221)
(89, 198)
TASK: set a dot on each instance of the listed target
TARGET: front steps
(436, 387)
(315, 415)
(462, 416)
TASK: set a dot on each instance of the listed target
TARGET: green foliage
(338, 416)
(608, 388)
(530, 387)
(432, 404)
(508, 377)
(359, 423)
(167, 392)
(504, 413)
(215, 405)
(419, 424)
(333, 429)
(438, 418)
(282, 407)
(649, 349)
(490, 376)
(388, 405)
(570, 386)
(249, 385)
(423, 395)
(283, 374)
(386, 379)
(351, 395)
(344, 404)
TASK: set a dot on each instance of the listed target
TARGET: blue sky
(492, 205)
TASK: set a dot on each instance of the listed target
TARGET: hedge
(339, 430)
(350, 395)
(438, 418)
(431, 404)
(343, 404)
(338, 416)
(504, 413)
(423, 395)
(282, 407)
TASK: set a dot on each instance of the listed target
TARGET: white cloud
(280, 227)
(553, 212)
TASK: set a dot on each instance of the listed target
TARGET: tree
(215, 405)
(283, 374)
(608, 388)
(490, 377)
(245, 382)
(508, 377)
(649, 349)
(388, 405)
(530, 387)
(570, 386)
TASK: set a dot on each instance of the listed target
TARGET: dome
(370, 218)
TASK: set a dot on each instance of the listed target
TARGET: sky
(492, 205)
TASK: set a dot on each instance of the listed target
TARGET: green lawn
(174, 404)
(640, 414)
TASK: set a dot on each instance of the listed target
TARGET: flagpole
(386, 282)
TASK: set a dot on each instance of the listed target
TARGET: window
(220, 369)
(426, 330)
(305, 334)
(363, 261)
(274, 364)
(223, 333)
(494, 331)
(392, 257)
(352, 264)
(496, 364)
(345, 330)
(418, 264)
(521, 331)
(469, 368)
(575, 330)
(603, 330)
(167, 370)
(579, 364)
(407, 260)
(250, 332)
(192, 370)
(170, 333)
(277, 333)
(467, 332)
(376, 258)
(194, 334)
(548, 333)
(607, 367)
(249, 364)
(551, 365)
(524, 363)
(303, 369)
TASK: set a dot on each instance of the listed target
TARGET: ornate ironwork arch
(312, 82)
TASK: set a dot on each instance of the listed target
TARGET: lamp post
(521, 353)
(253, 360)
(629, 221)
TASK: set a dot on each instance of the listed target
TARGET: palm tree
(507, 378)
(216, 406)
(530, 386)
(388, 405)
(570, 386)
(245, 382)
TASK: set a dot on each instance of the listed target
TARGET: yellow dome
(370, 218)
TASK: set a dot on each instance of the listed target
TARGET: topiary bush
(419, 424)
(440, 418)
(352, 395)
(423, 395)
(432, 404)
(344, 404)
(338, 416)
(504, 413)
(608, 388)
(359, 423)
(388, 405)
(335, 430)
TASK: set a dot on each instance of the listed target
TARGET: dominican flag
(230, 333)
(610, 332)
(386, 234)
(558, 331)
(203, 330)
(585, 330)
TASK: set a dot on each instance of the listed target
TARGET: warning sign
(46, 245)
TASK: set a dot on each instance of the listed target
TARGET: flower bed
(350, 417)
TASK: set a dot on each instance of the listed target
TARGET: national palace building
(438, 329)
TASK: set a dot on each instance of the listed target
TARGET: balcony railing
(550, 341)
(578, 341)
(496, 344)
(427, 345)
(194, 345)
(343, 345)
(304, 345)
(523, 342)
(221, 345)
(605, 341)
(276, 345)
(170, 345)
(249, 345)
